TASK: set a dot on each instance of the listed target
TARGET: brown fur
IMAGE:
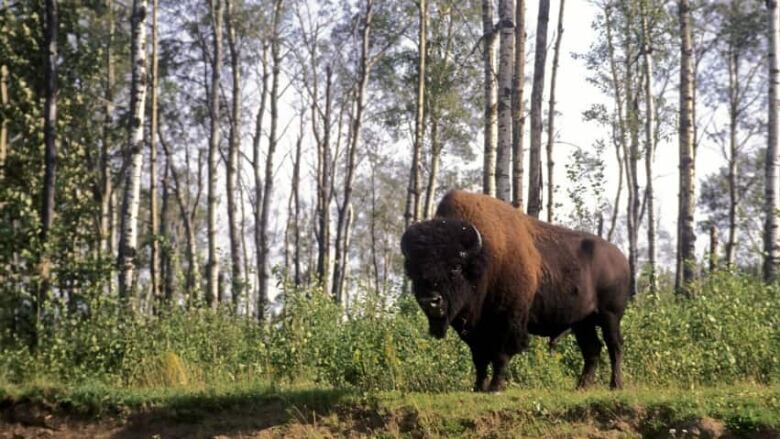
(527, 277)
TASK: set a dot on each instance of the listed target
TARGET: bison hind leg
(590, 345)
(610, 329)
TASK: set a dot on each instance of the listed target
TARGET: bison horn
(476, 244)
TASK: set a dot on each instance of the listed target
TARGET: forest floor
(258, 411)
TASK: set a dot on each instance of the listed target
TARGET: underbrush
(729, 332)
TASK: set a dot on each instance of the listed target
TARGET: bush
(729, 332)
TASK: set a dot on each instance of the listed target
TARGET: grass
(306, 410)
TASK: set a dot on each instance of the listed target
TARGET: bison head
(443, 260)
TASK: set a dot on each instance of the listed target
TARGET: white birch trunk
(506, 13)
(491, 96)
(212, 269)
(128, 239)
(772, 224)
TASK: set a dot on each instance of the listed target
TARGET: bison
(496, 275)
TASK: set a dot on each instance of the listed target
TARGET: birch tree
(535, 159)
(128, 238)
(772, 221)
(234, 146)
(647, 57)
(686, 238)
(258, 172)
(518, 106)
(154, 220)
(345, 207)
(264, 249)
(491, 96)
(50, 51)
(413, 206)
(551, 118)
(506, 26)
(212, 268)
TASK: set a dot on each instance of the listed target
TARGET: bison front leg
(481, 362)
(498, 383)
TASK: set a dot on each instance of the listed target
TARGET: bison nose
(433, 303)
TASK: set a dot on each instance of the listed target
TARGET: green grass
(290, 409)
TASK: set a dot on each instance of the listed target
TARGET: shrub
(729, 332)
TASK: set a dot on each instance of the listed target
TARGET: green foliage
(728, 333)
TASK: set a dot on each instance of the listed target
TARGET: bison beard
(496, 275)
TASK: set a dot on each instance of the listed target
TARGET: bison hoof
(497, 386)
(481, 386)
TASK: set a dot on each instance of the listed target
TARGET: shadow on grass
(206, 413)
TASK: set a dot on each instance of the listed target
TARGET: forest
(202, 201)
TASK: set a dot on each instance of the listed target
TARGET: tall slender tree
(154, 220)
(413, 206)
(491, 96)
(50, 49)
(234, 146)
(772, 222)
(518, 106)
(506, 61)
(535, 159)
(345, 212)
(551, 118)
(212, 269)
(107, 207)
(264, 250)
(258, 171)
(128, 238)
(686, 237)
(647, 56)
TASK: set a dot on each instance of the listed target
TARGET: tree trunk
(234, 145)
(264, 250)
(687, 200)
(324, 181)
(732, 159)
(345, 210)
(106, 177)
(649, 147)
(491, 96)
(50, 147)
(713, 248)
(132, 188)
(258, 173)
(772, 224)
(167, 234)
(154, 223)
(551, 120)
(193, 272)
(412, 213)
(631, 155)
(212, 269)
(535, 165)
(4, 104)
(506, 15)
(433, 175)
(296, 205)
(618, 192)
(518, 107)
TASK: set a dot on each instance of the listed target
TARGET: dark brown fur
(527, 276)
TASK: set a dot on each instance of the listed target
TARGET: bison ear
(471, 240)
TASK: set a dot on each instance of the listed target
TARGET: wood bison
(495, 275)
